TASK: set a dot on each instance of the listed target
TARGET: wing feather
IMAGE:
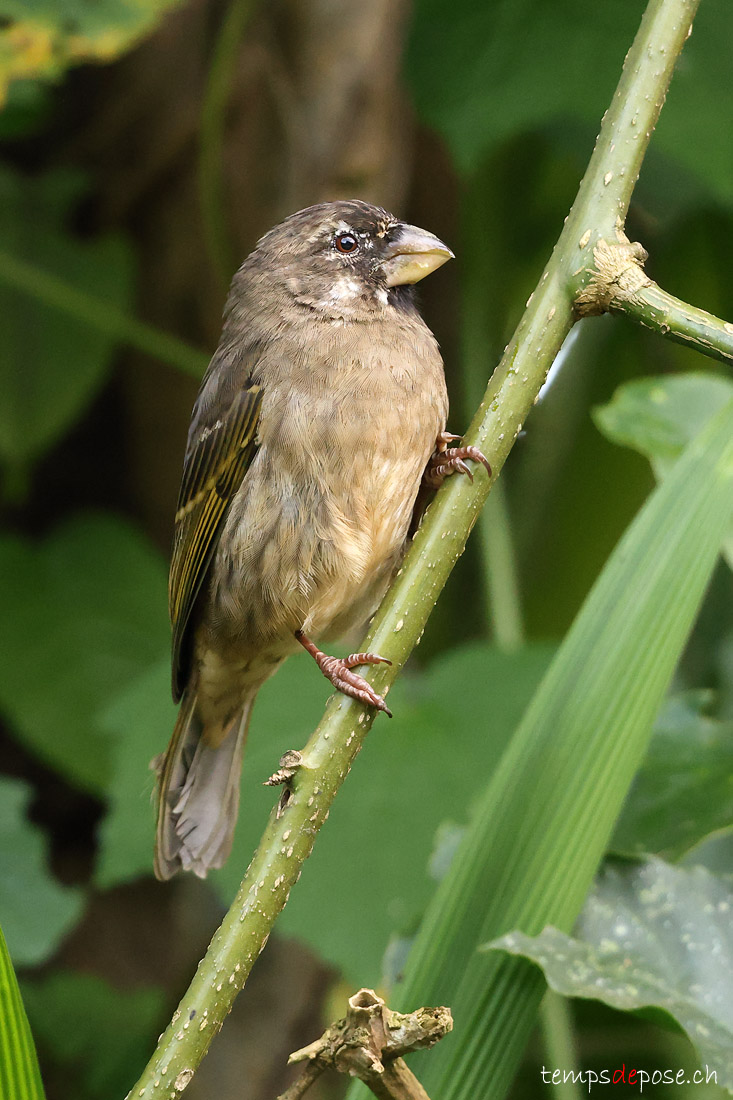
(216, 462)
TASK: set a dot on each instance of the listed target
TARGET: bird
(319, 424)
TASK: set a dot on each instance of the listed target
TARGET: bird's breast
(320, 522)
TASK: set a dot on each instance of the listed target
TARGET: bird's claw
(449, 460)
(338, 671)
(350, 683)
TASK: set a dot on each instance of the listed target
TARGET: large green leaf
(92, 1035)
(481, 73)
(51, 364)
(84, 613)
(35, 911)
(20, 1078)
(650, 936)
(44, 37)
(684, 788)
(139, 720)
(531, 850)
(659, 416)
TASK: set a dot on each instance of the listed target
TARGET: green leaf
(44, 37)
(545, 818)
(140, 721)
(51, 365)
(482, 73)
(20, 1077)
(650, 936)
(84, 612)
(659, 416)
(715, 852)
(91, 1032)
(35, 911)
(684, 789)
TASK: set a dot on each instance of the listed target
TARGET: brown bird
(310, 439)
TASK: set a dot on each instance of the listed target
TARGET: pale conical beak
(412, 255)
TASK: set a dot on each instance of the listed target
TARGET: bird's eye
(346, 242)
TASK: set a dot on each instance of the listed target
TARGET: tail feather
(198, 794)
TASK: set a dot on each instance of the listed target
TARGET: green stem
(211, 139)
(58, 294)
(685, 324)
(608, 184)
(500, 570)
(668, 316)
(559, 1044)
(400, 621)
(480, 291)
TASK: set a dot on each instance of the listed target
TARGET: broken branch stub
(369, 1043)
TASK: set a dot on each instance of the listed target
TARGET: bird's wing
(219, 452)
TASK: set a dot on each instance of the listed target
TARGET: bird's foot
(448, 460)
(338, 671)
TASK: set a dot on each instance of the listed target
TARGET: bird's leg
(447, 460)
(338, 671)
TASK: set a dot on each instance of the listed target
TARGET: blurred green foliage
(51, 366)
(37, 911)
(81, 637)
(483, 73)
(76, 1017)
(515, 91)
(684, 790)
(42, 38)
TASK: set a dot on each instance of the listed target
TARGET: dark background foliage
(137, 181)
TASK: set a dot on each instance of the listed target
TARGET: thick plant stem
(288, 839)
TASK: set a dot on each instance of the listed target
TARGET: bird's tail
(198, 793)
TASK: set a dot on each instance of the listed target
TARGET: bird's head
(346, 259)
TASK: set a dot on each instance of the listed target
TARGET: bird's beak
(412, 255)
